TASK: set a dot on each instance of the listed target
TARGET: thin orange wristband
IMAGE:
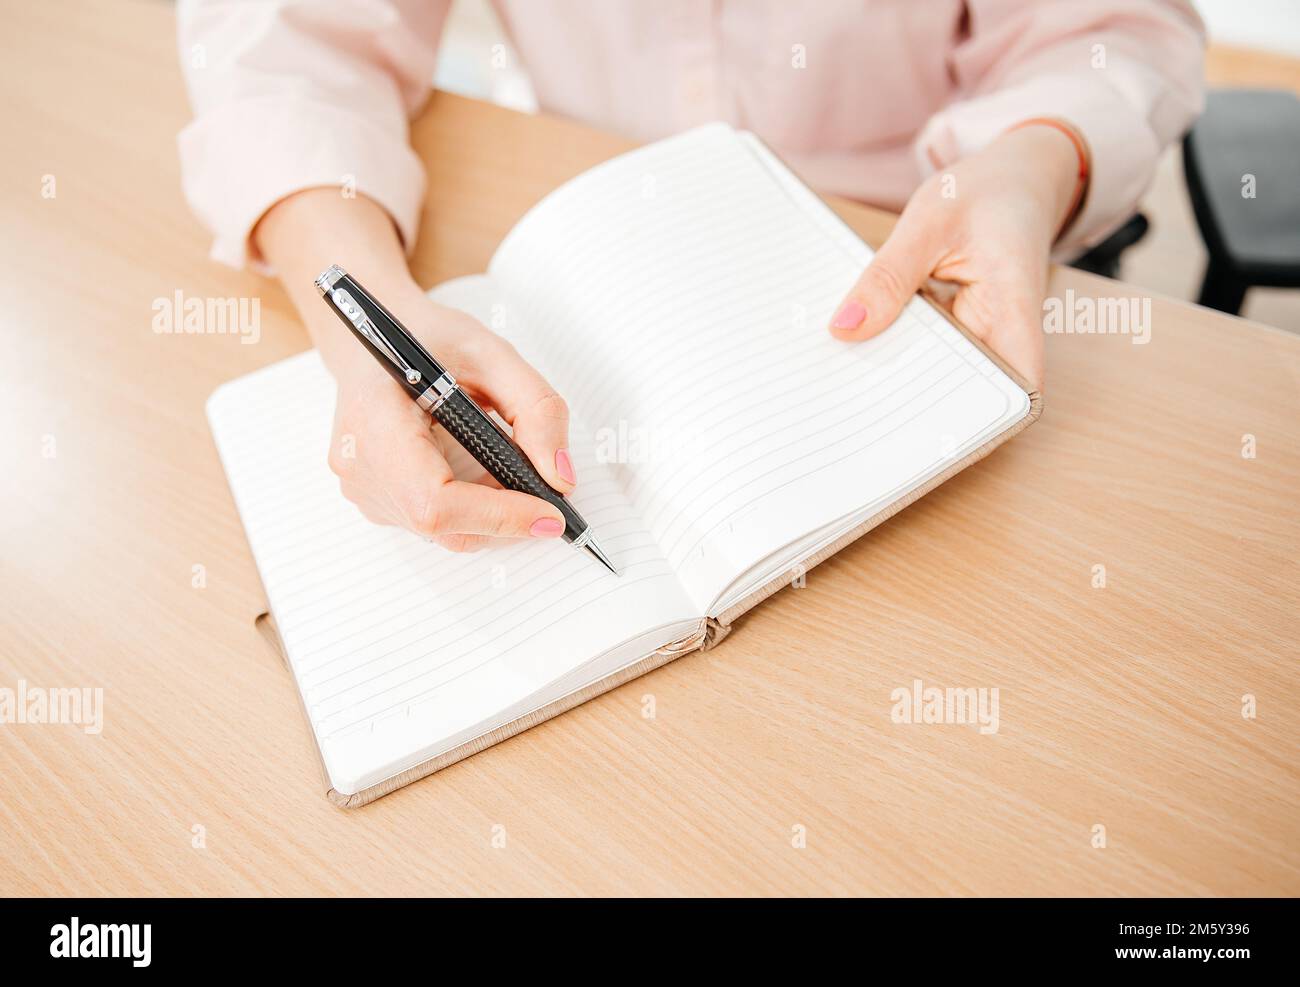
(1085, 165)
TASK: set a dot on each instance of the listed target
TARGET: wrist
(345, 356)
(1060, 168)
(304, 233)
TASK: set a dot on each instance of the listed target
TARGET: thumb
(897, 270)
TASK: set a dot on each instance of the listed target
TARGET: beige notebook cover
(723, 441)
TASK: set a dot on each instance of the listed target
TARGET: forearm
(303, 234)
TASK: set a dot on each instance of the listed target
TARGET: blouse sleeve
(295, 94)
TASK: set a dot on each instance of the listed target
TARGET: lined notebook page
(398, 646)
(679, 295)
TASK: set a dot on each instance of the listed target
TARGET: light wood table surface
(1119, 707)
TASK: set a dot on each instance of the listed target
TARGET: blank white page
(680, 296)
(402, 649)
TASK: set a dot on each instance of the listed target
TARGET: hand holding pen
(432, 388)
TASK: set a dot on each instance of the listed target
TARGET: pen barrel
(485, 440)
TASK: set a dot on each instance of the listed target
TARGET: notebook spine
(714, 631)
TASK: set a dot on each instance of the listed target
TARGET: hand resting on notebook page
(987, 224)
(389, 462)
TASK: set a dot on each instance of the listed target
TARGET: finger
(462, 543)
(462, 508)
(439, 469)
(1025, 356)
(1009, 320)
(536, 413)
(382, 452)
(897, 270)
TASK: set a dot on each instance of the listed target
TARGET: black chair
(1104, 258)
(1242, 161)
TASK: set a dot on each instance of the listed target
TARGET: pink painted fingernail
(546, 527)
(564, 466)
(850, 316)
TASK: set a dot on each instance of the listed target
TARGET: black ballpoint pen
(436, 391)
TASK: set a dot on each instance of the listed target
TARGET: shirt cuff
(1124, 147)
(239, 159)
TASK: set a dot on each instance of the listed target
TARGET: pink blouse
(862, 97)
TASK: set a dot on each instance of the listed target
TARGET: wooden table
(1121, 706)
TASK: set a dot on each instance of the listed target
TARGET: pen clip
(364, 325)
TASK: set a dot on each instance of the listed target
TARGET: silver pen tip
(600, 556)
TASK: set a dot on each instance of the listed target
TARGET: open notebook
(677, 296)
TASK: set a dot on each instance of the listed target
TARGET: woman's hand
(389, 462)
(396, 469)
(987, 224)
